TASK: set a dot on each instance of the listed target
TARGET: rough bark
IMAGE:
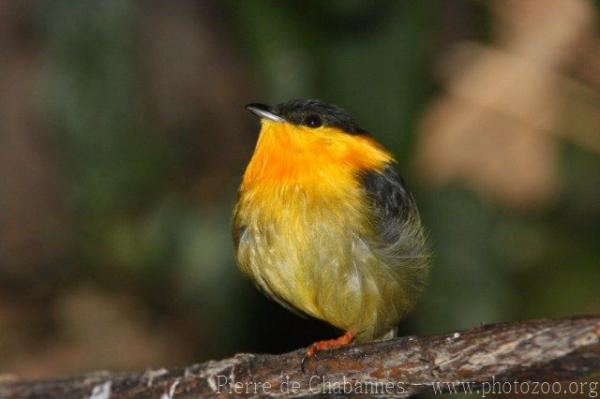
(535, 351)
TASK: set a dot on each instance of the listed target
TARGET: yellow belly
(316, 254)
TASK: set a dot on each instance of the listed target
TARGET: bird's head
(308, 116)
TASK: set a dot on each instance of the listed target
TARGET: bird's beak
(263, 111)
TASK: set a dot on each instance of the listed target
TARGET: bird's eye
(313, 121)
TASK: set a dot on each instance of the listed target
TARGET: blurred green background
(123, 137)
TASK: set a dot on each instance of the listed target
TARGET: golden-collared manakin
(325, 226)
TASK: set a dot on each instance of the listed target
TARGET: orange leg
(328, 344)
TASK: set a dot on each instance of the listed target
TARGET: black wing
(392, 202)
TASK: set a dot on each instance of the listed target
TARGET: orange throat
(288, 154)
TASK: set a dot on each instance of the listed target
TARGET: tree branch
(539, 350)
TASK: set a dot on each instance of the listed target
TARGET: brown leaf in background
(491, 130)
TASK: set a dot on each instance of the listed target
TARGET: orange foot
(324, 345)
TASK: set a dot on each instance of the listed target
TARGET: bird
(325, 226)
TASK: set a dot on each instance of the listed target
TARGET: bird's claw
(324, 345)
